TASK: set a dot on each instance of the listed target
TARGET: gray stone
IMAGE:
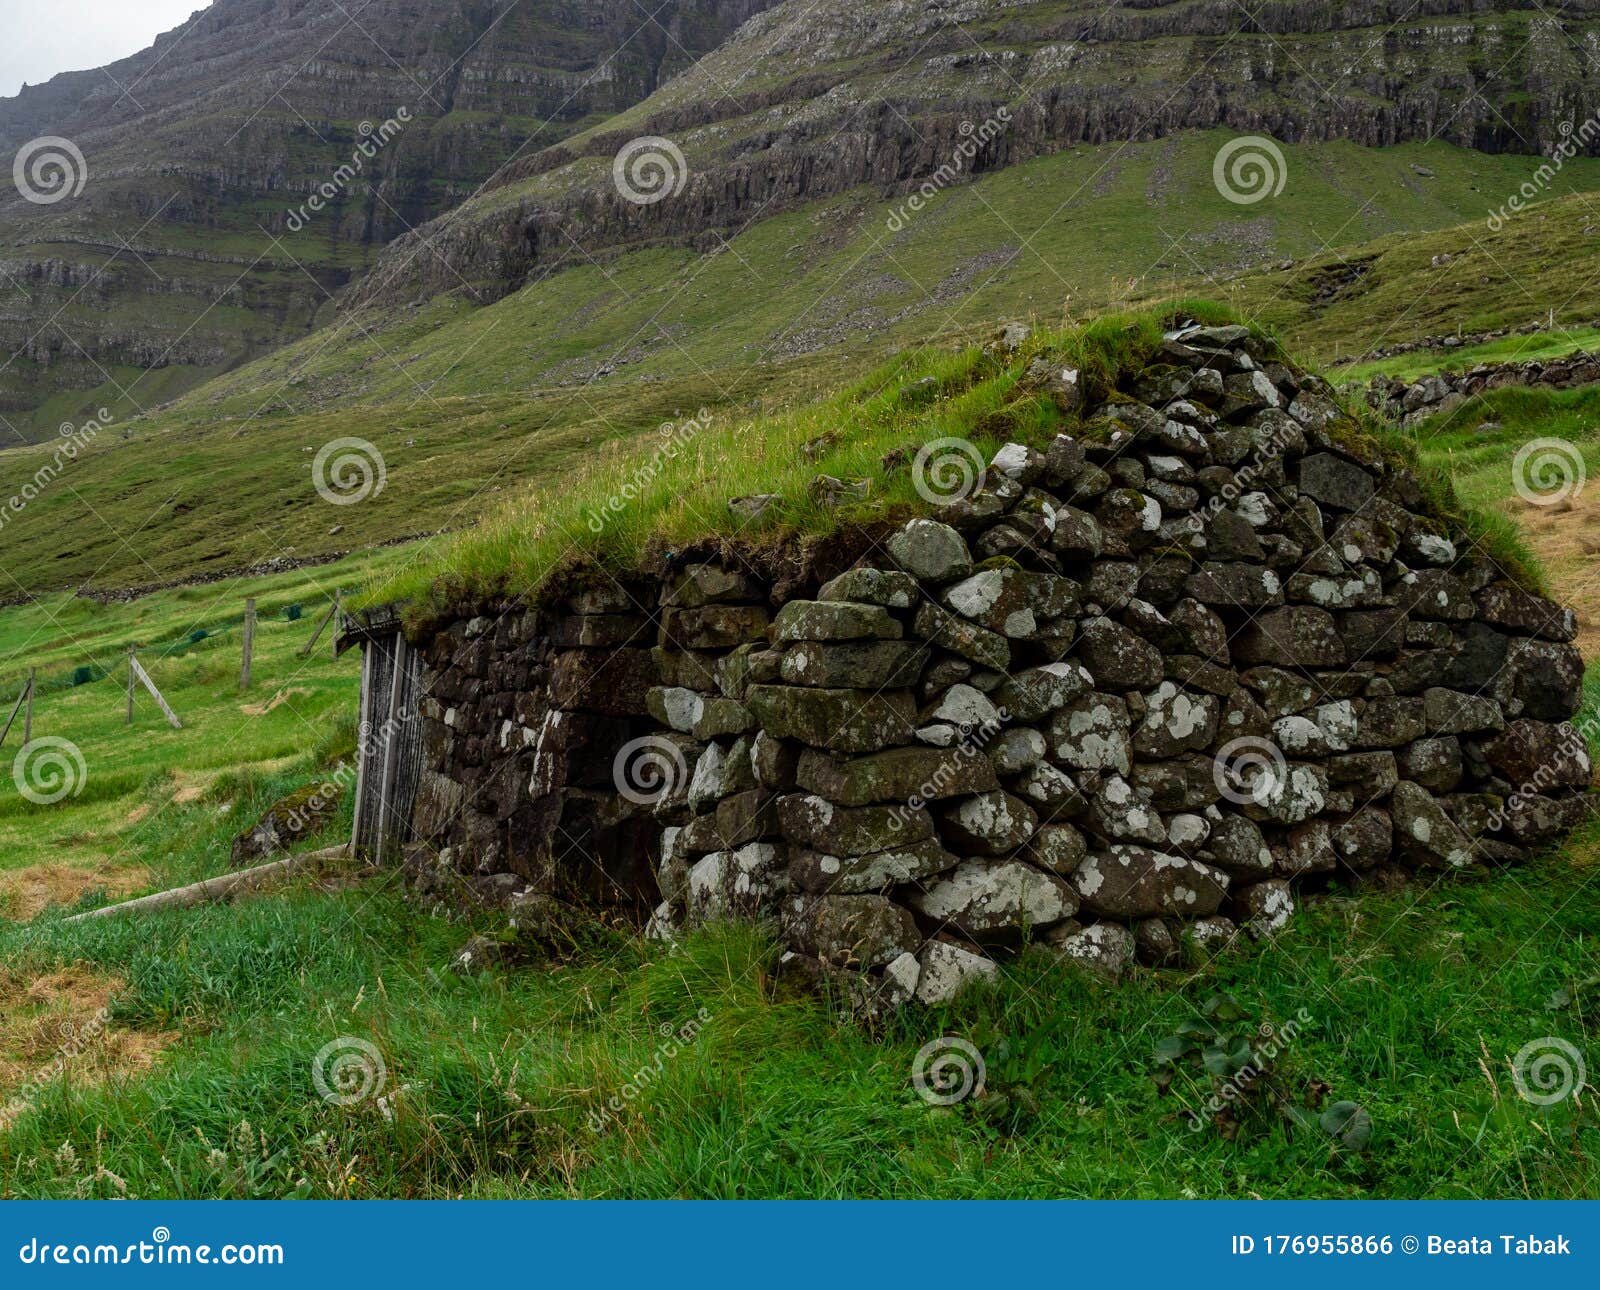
(887, 587)
(845, 721)
(993, 823)
(1336, 482)
(913, 775)
(814, 822)
(968, 639)
(930, 551)
(1175, 721)
(1136, 882)
(1295, 635)
(995, 900)
(1116, 658)
(876, 871)
(1265, 908)
(1423, 834)
(948, 969)
(835, 620)
(862, 665)
(854, 931)
(1105, 949)
(1092, 733)
(1038, 691)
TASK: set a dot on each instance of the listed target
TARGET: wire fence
(98, 669)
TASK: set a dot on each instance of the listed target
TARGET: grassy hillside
(463, 403)
(206, 1026)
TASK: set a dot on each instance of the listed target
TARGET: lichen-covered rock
(843, 721)
(1092, 733)
(1116, 658)
(948, 969)
(994, 823)
(875, 871)
(1107, 949)
(860, 931)
(862, 665)
(1038, 691)
(887, 587)
(1266, 907)
(745, 883)
(1175, 721)
(811, 821)
(930, 551)
(835, 620)
(895, 775)
(990, 900)
(1424, 835)
(1136, 882)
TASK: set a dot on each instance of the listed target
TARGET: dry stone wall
(1131, 695)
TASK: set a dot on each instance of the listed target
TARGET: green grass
(470, 404)
(130, 776)
(1507, 349)
(1416, 1002)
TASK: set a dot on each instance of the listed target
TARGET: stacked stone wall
(1130, 697)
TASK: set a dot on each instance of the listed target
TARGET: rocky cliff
(250, 163)
(1130, 694)
(808, 100)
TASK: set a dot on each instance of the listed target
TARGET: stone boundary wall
(1127, 698)
(1411, 403)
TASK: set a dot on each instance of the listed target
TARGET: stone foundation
(1133, 694)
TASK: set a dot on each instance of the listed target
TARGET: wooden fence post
(6, 729)
(27, 719)
(322, 626)
(131, 666)
(134, 669)
(249, 642)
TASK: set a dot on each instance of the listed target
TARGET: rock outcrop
(1139, 690)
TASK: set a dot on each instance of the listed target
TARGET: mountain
(197, 241)
(816, 97)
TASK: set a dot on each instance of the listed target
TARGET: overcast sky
(43, 37)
